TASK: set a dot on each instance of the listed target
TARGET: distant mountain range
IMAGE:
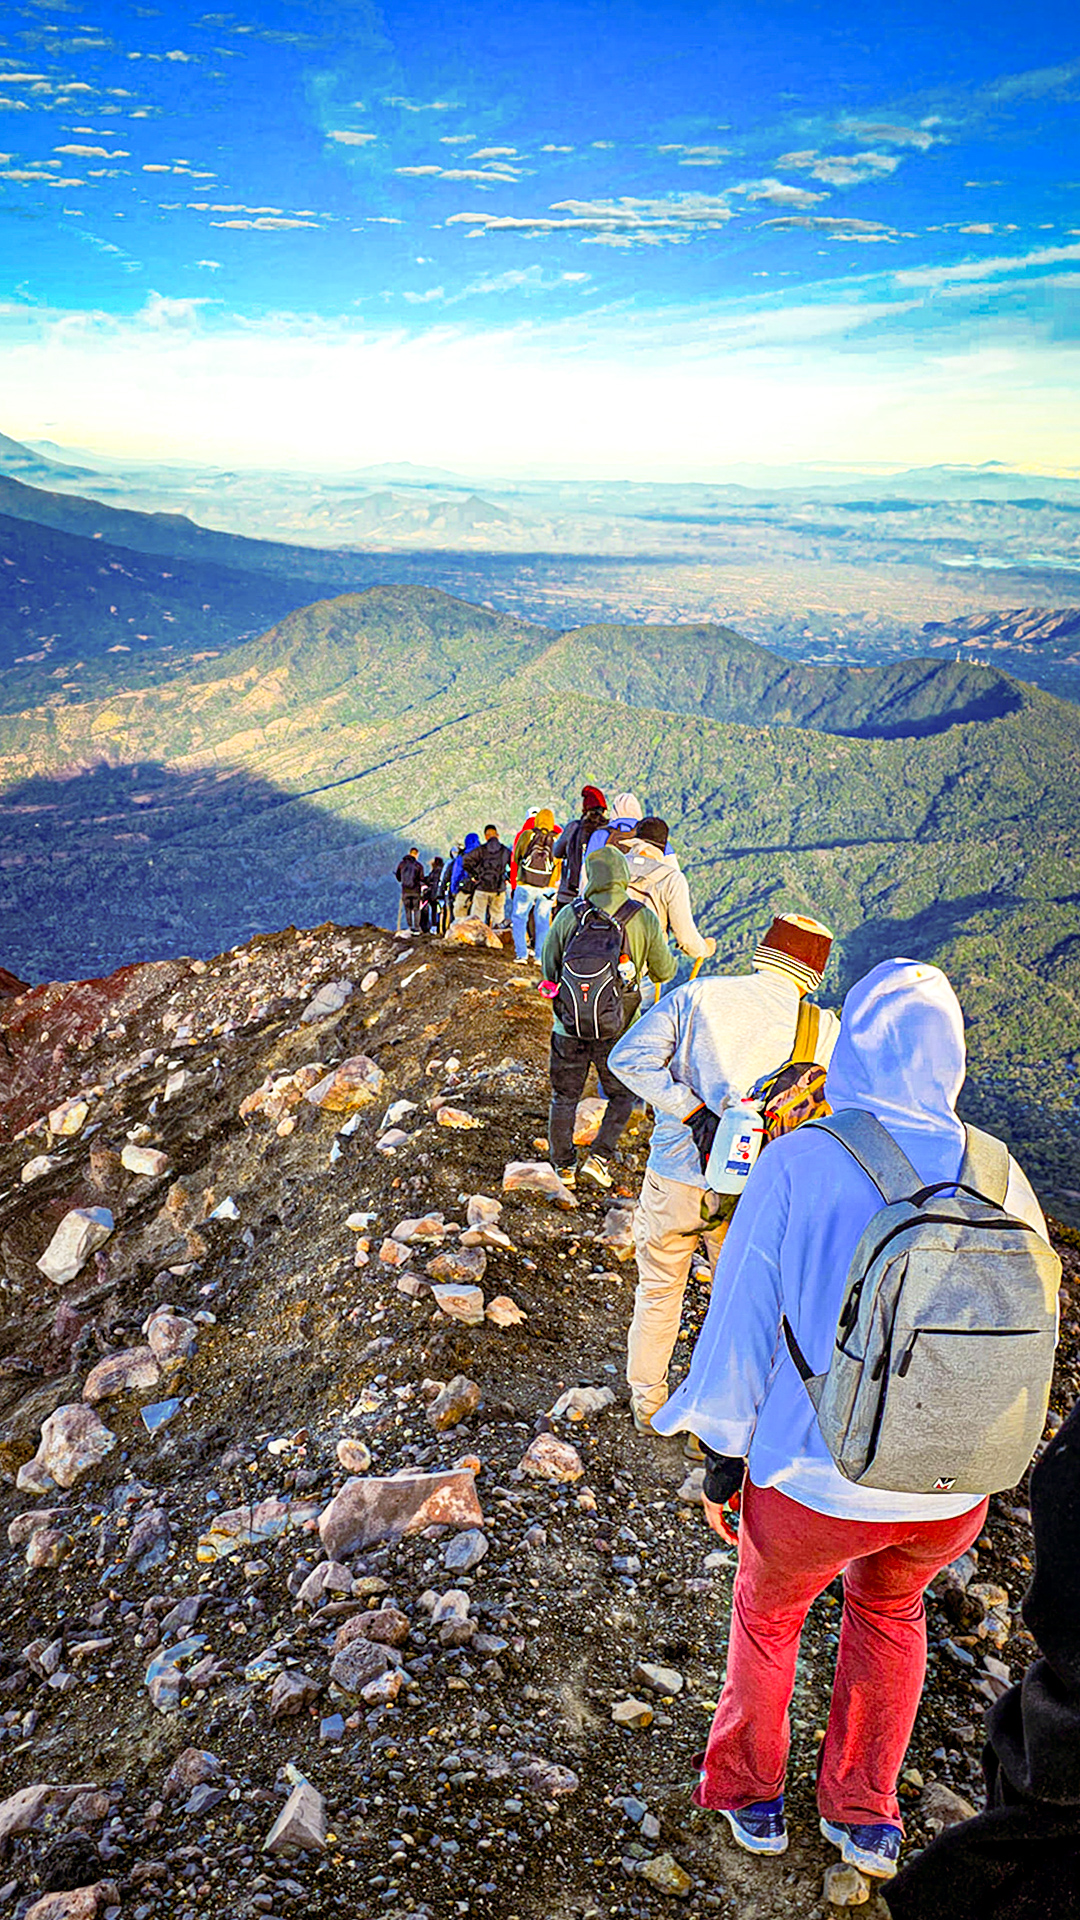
(922, 808)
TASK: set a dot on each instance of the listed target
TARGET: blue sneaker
(875, 1850)
(758, 1828)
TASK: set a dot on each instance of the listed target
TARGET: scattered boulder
(38, 1167)
(366, 1511)
(459, 1398)
(632, 1713)
(330, 998)
(70, 1116)
(665, 1874)
(846, 1886)
(122, 1373)
(301, 1824)
(457, 1119)
(465, 1551)
(460, 1302)
(80, 1903)
(47, 1547)
(465, 1268)
(940, 1807)
(357, 1083)
(24, 1809)
(471, 933)
(328, 1577)
(548, 1458)
(149, 1161)
(387, 1626)
(537, 1176)
(171, 1337)
(665, 1680)
(73, 1442)
(354, 1455)
(281, 1092)
(194, 1767)
(616, 1236)
(578, 1403)
(504, 1312)
(79, 1234)
(291, 1692)
(590, 1112)
(251, 1526)
(359, 1662)
(482, 1211)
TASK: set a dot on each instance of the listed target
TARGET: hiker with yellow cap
(534, 872)
(701, 1048)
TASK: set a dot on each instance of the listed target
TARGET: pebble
(353, 1455)
(465, 1551)
(578, 1403)
(149, 1161)
(460, 1302)
(548, 1458)
(940, 1807)
(846, 1886)
(464, 1266)
(632, 1713)
(330, 998)
(301, 1824)
(122, 1373)
(457, 1119)
(661, 1679)
(356, 1084)
(537, 1176)
(665, 1873)
(482, 1211)
(504, 1312)
(460, 1398)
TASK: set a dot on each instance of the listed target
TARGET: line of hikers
(543, 869)
(875, 1361)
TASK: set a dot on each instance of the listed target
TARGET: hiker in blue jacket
(461, 887)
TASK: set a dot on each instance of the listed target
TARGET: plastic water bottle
(735, 1148)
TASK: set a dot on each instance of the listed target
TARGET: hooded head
(626, 806)
(592, 800)
(607, 876)
(901, 1056)
(545, 820)
(471, 840)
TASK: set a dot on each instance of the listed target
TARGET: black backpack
(593, 1001)
(537, 862)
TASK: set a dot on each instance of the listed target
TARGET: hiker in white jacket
(697, 1049)
(657, 879)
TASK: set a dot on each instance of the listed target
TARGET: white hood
(626, 806)
(901, 1057)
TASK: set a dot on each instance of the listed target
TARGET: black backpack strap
(874, 1149)
(802, 1365)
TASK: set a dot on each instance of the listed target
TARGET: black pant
(411, 904)
(570, 1062)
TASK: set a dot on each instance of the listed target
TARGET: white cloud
(13, 106)
(456, 139)
(419, 106)
(550, 147)
(704, 156)
(985, 269)
(494, 153)
(176, 54)
(485, 176)
(778, 193)
(266, 225)
(212, 266)
(841, 169)
(623, 222)
(346, 138)
(161, 310)
(835, 228)
(892, 135)
(95, 153)
(424, 299)
(1035, 84)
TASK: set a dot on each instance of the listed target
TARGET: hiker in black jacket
(573, 841)
(410, 873)
(429, 900)
(1020, 1858)
(486, 867)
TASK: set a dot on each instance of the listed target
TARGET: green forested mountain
(281, 782)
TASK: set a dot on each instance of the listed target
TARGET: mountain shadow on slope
(117, 863)
(713, 671)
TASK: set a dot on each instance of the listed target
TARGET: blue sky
(596, 238)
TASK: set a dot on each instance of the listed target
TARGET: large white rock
(146, 1160)
(73, 1440)
(79, 1233)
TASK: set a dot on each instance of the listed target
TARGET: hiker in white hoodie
(900, 1056)
(620, 825)
(657, 879)
(697, 1049)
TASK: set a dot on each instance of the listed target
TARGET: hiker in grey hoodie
(698, 1048)
(657, 878)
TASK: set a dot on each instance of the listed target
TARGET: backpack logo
(944, 1485)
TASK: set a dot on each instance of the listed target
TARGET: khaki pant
(667, 1228)
(489, 906)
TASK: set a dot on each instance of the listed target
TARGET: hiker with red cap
(573, 843)
(696, 1051)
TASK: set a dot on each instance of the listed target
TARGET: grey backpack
(940, 1376)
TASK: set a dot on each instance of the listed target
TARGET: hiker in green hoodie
(597, 950)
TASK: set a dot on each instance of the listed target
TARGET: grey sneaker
(568, 1175)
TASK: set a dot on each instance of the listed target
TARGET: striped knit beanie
(796, 946)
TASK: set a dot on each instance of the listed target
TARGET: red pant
(787, 1556)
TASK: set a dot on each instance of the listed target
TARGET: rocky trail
(327, 1590)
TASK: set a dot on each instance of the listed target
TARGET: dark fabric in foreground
(1020, 1860)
